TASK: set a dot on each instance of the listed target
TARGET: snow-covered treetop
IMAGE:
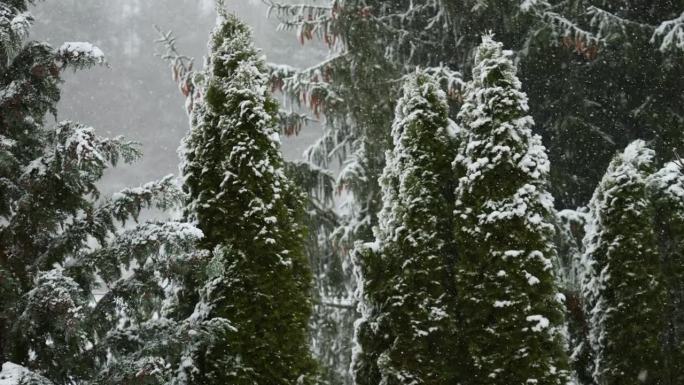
(233, 148)
(628, 171)
(493, 64)
(633, 165)
(668, 183)
(498, 136)
(421, 135)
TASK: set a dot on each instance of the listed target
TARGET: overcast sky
(135, 95)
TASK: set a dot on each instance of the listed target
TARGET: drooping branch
(671, 34)
(307, 20)
(181, 66)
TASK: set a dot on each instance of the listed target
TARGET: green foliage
(508, 301)
(61, 247)
(667, 190)
(407, 332)
(252, 216)
(623, 283)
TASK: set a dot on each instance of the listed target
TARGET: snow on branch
(181, 66)
(309, 87)
(308, 20)
(670, 34)
(80, 55)
(451, 81)
(292, 122)
(678, 160)
(14, 28)
(163, 194)
(77, 150)
(13, 374)
(584, 42)
(608, 23)
(140, 243)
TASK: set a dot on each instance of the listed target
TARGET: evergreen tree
(667, 191)
(60, 243)
(509, 302)
(566, 50)
(570, 226)
(623, 284)
(251, 216)
(407, 333)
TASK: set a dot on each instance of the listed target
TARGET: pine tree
(667, 192)
(509, 302)
(407, 333)
(251, 216)
(623, 284)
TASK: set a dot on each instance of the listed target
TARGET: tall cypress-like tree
(407, 333)
(509, 301)
(251, 216)
(570, 226)
(667, 192)
(622, 283)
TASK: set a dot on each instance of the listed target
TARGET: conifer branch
(678, 160)
(181, 66)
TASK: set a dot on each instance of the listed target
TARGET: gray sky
(135, 96)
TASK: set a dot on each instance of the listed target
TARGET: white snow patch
(76, 49)
(542, 322)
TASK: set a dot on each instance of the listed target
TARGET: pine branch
(671, 33)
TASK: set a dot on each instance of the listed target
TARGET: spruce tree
(508, 299)
(623, 284)
(667, 192)
(407, 333)
(251, 217)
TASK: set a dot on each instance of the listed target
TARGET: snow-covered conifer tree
(622, 281)
(251, 216)
(509, 303)
(407, 333)
(667, 194)
(60, 243)
(570, 226)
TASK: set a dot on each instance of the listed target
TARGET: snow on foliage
(621, 278)
(80, 54)
(15, 24)
(503, 212)
(251, 216)
(407, 331)
(670, 34)
(13, 374)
